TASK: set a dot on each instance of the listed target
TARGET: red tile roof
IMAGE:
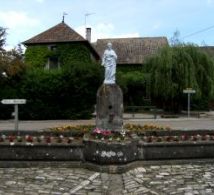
(132, 50)
(57, 34)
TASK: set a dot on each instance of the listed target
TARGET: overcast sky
(111, 18)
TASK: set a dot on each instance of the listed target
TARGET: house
(132, 52)
(209, 50)
(58, 35)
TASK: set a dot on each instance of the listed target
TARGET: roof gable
(208, 49)
(132, 50)
(59, 33)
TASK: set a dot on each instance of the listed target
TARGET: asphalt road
(179, 123)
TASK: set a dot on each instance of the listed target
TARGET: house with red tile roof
(58, 35)
(130, 51)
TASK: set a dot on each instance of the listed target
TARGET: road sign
(189, 90)
(13, 101)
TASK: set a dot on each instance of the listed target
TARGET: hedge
(68, 93)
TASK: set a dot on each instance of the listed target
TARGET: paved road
(180, 123)
(187, 179)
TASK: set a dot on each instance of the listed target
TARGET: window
(52, 47)
(53, 63)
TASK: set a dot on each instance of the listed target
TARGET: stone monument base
(109, 107)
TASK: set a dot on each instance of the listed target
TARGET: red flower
(168, 138)
(184, 137)
(29, 138)
(11, 138)
(150, 139)
(194, 138)
(48, 139)
(106, 132)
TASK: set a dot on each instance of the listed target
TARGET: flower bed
(87, 143)
(82, 129)
(40, 146)
(38, 139)
(179, 138)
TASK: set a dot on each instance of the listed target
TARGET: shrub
(69, 93)
(60, 94)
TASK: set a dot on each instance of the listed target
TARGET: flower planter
(114, 152)
(107, 150)
(39, 146)
(41, 152)
(175, 150)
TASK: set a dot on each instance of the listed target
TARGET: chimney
(88, 34)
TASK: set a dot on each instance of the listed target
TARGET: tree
(11, 62)
(176, 68)
(2, 38)
(133, 84)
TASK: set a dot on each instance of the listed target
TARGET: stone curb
(112, 169)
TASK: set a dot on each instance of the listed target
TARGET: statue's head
(109, 45)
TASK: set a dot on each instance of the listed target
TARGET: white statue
(109, 62)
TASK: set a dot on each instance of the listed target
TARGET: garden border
(113, 157)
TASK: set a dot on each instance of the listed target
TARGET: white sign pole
(188, 104)
(189, 91)
(16, 111)
(15, 102)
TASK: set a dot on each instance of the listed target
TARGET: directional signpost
(188, 91)
(15, 102)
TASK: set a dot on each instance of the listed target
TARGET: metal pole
(16, 117)
(188, 105)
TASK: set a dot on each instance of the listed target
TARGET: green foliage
(74, 52)
(2, 38)
(67, 93)
(177, 68)
(11, 63)
(129, 67)
(59, 94)
(36, 56)
(134, 87)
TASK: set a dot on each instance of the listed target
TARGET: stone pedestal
(109, 107)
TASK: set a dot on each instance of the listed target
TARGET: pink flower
(97, 131)
(101, 132)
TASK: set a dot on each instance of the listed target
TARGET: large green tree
(177, 68)
(2, 38)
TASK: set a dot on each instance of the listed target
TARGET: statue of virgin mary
(109, 62)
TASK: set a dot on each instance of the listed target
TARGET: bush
(69, 93)
(134, 86)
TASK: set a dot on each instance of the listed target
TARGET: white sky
(111, 18)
